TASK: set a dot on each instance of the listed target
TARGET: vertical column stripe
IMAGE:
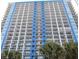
(7, 25)
(57, 23)
(14, 28)
(17, 45)
(34, 29)
(71, 21)
(43, 23)
(51, 21)
(26, 32)
(62, 24)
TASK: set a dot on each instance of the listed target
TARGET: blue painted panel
(34, 29)
(71, 21)
(7, 25)
(43, 23)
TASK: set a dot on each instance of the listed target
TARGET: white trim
(20, 27)
(26, 31)
(62, 23)
(57, 25)
(51, 21)
(14, 28)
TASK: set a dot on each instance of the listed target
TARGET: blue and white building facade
(28, 25)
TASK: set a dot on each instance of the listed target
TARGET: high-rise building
(28, 25)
